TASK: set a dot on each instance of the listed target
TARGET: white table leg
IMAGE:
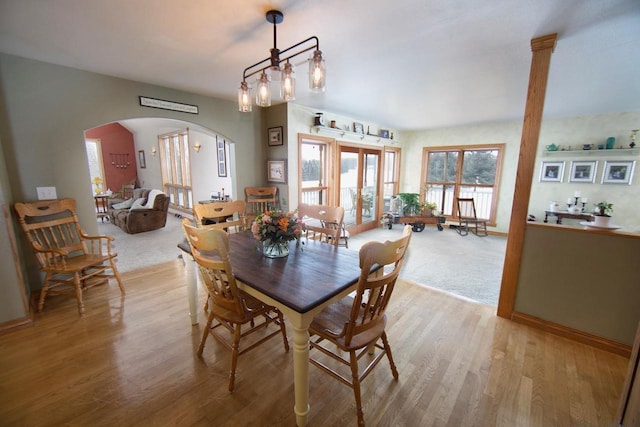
(301, 370)
(191, 278)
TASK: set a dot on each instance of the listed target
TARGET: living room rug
(145, 249)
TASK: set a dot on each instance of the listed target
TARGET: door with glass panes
(359, 185)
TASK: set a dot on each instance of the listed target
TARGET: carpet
(469, 266)
(145, 249)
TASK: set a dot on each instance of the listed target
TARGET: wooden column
(542, 48)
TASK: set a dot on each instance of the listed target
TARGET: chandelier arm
(253, 73)
(315, 46)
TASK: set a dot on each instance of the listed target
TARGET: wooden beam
(542, 48)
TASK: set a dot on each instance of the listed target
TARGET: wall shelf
(325, 130)
(604, 153)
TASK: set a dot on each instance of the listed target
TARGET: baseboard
(16, 325)
(573, 334)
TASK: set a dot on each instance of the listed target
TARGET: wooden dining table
(300, 285)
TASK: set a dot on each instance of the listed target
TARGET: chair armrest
(95, 246)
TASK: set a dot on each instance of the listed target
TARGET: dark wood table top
(311, 274)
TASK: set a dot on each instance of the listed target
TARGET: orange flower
(283, 224)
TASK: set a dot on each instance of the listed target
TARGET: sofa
(145, 211)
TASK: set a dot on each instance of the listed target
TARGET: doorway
(359, 185)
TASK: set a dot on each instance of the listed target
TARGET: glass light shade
(288, 83)
(263, 93)
(317, 72)
(244, 98)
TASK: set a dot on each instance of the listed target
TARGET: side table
(565, 214)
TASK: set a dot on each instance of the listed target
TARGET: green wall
(45, 108)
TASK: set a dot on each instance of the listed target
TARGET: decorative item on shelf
(587, 146)
(552, 147)
(120, 160)
(272, 64)
(611, 143)
(275, 229)
(602, 214)
(333, 124)
(384, 133)
(318, 120)
(575, 204)
(633, 138)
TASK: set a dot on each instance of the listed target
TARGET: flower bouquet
(275, 229)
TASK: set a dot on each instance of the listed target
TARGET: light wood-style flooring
(131, 362)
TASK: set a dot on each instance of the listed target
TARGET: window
(314, 172)
(391, 177)
(94, 154)
(176, 169)
(469, 171)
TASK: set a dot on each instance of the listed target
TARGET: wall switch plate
(46, 193)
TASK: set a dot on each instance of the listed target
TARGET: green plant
(603, 209)
(410, 203)
(429, 205)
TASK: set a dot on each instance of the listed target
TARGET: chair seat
(255, 306)
(80, 262)
(334, 317)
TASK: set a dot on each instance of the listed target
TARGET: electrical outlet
(46, 193)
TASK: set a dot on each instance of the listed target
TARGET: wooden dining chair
(355, 325)
(236, 313)
(258, 200)
(324, 223)
(468, 220)
(71, 260)
(227, 216)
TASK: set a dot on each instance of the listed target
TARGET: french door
(359, 183)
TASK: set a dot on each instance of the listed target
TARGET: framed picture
(358, 128)
(277, 171)
(618, 172)
(275, 136)
(141, 159)
(551, 171)
(583, 171)
(384, 133)
(222, 157)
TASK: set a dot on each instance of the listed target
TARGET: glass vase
(275, 250)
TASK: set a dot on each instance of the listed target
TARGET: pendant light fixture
(317, 71)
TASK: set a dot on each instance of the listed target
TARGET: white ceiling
(407, 64)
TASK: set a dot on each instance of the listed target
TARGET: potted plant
(428, 208)
(603, 213)
(410, 203)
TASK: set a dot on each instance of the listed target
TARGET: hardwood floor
(131, 361)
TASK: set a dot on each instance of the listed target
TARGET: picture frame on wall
(141, 160)
(222, 157)
(274, 136)
(551, 171)
(583, 171)
(277, 171)
(618, 172)
(358, 128)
